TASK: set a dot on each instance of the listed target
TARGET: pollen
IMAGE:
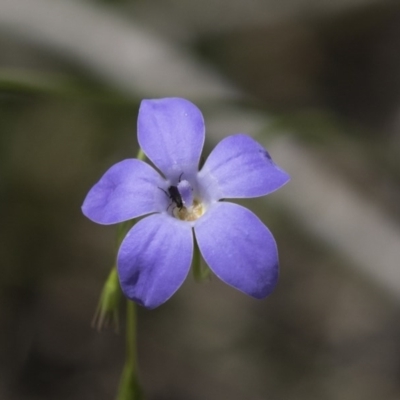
(191, 213)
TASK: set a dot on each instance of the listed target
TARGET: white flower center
(188, 205)
(191, 213)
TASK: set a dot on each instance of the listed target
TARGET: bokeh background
(317, 82)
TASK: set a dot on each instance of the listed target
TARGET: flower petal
(238, 248)
(240, 167)
(154, 259)
(127, 190)
(171, 133)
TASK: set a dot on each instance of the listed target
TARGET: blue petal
(154, 259)
(238, 248)
(127, 190)
(171, 133)
(239, 167)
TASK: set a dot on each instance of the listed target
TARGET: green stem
(131, 350)
(129, 388)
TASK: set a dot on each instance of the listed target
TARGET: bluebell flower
(179, 201)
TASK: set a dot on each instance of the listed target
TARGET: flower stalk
(129, 388)
(107, 314)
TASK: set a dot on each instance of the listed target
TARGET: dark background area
(329, 76)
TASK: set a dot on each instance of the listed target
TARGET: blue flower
(156, 254)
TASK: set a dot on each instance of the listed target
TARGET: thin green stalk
(129, 388)
(131, 349)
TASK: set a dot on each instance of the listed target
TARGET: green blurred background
(317, 82)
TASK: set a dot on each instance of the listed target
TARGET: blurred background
(317, 82)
